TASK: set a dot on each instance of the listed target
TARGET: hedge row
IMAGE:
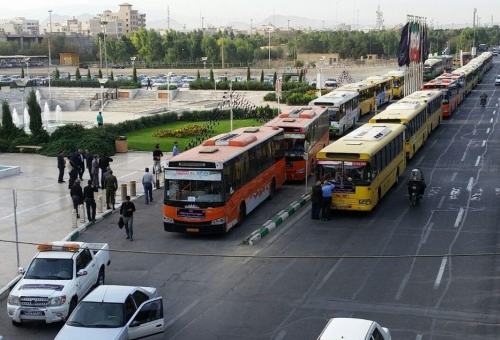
(94, 83)
(244, 85)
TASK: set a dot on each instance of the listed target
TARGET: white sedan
(116, 312)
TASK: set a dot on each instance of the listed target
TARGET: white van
(354, 329)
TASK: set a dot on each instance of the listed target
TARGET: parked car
(331, 82)
(82, 65)
(116, 312)
(351, 328)
(117, 66)
(497, 80)
(59, 276)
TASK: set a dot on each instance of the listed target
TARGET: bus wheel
(243, 213)
(272, 190)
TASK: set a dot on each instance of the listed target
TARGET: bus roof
(440, 82)
(421, 96)
(334, 98)
(377, 79)
(226, 146)
(359, 86)
(367, 139)
(395, 73)
(297, 116)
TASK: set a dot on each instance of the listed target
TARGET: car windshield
(98, 315)
(50, 269)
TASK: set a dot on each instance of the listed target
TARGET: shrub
(270, 97)
(185, 131)
(164, 87)
(299, 99)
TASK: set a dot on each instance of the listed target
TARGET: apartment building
(20, 25)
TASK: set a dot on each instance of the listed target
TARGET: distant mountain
(162, 24)
(64, 18)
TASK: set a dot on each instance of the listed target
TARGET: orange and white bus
(460, 82)
(306, 132)
(449, 91)
(212, 187)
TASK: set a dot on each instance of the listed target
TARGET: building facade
(20, 25)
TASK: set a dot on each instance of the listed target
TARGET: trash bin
(121, 144)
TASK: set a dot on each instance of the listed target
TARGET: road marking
(420, 160)
(282, 272)
(440, 273)
(419, 337)
(484, 143)
(455, 192)
(441, 202)
(488, 131)
(181, 314)
(491, 120)
(478, 160)
(132, 159)
(35, 207)
(402, 286)
(467, 148)
(281, 335)
(469, 185)
(459, 217)
(327, 276)
(427, 232)
(453, 176)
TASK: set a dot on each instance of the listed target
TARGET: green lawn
(143, 141)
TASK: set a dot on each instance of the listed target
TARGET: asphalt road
(252, 297)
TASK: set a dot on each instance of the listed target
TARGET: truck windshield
(98, 315)
(50, 269)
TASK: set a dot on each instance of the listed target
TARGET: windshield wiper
(102, 326)
(76, 323)
(34, 277)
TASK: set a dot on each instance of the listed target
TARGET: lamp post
(21, 83)
(231, 104)
(269, 44)
(251, 20)
(50, 56)
(102, 82)
(26, 60)
(204, 60)
(103, 24)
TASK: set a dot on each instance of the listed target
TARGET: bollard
(124, 192)
(99, 204)
(82, 214)
(74, 220)
(132, 189)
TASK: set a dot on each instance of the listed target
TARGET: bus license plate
(193, 230)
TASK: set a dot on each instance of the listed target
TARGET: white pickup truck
(59, 276)
(356, 329)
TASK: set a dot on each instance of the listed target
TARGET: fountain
(26, 120)
(46, 115)
(58, 115)
(15, 117)
(38, 97)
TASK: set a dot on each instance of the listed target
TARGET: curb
(276, 220)
(74, 235)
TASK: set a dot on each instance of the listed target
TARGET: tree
(8, 126)
(198, 77)
(248, 73)
(22, 72)
(111, 77)
(58, 75)
(100, 73)
(212, 75)
(69, 76)
(78, 76)
(35, 113)
(262, 76)
(275, 77)
(134, 74)
(88, 74)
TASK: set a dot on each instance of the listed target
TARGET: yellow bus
(363, 165)
(420, 113)
(383, 88)
(468, 75)
(398, 83)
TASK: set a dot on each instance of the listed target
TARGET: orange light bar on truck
(72, 247)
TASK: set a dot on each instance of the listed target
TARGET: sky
(220, 12)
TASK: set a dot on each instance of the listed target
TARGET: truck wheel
(15, 323)
(100, 278)
(72, 306)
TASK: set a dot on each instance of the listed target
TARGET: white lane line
(181, 314)
(133, 159)
(427, 232)
(484, 143)
(459, 217)
(478, 160)
(327, 276)
(281, 335)
(469, 185)
(441, 202)
(35, 207)
(419, 337)
(488, 131)
(440, 273)
(453, 176)
(467, 148)
(402, 286)
(128, 174)
(491, 120)
(420, 160)
(281, 273)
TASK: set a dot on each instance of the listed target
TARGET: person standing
(326, 200)
(88, 196)
(147, 183)
(111, 185)
(61, 164)
(72, 172)
(76, 194)
(103, 165)
(157, 155)
(175, 150)
(100, 121)
(127, 213)
(89, 158)
(95, 171)
(148, 85)
(76, 159)
(81, 169)
(316, 197)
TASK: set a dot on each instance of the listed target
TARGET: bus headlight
(219, 221)
(167, 219)
(367, 202)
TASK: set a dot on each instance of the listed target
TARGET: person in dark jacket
(127, 213)
(316, 197)
(103, 165)
(77, 161)
(88, 195)
(88, 161)
(76, 194)
(61, 165)
(72, 171)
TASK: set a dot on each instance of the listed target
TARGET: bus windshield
(194, 186)
(395, 83)
(427, 69)
(446, 96)
(335, 113)
(294, 149)
(343, 172)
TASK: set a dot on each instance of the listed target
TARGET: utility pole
(474, 28)
(50, 57)
(168, 18)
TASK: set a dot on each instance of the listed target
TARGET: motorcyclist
(483, 97)
(417, 179)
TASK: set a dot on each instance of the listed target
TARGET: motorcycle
(483, 102)
(414, 194)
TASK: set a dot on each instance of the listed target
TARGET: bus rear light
(167, 219)
(301, 171)
(219, 221)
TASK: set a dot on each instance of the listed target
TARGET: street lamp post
(269, 44)
(102, 82)
(50, 56)
(251, 20)
(231, 104)
(21, 84)
(104, 23)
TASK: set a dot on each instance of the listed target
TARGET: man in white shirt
(147, 183)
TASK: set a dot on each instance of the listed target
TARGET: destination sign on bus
(291, 129)
(294, 136)
(190, 213)
(191, 165)
(201, 175)
(339, 163)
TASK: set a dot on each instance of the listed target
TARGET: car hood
(83, 333)
(46, 288)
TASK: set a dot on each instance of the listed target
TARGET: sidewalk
(44, 207)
